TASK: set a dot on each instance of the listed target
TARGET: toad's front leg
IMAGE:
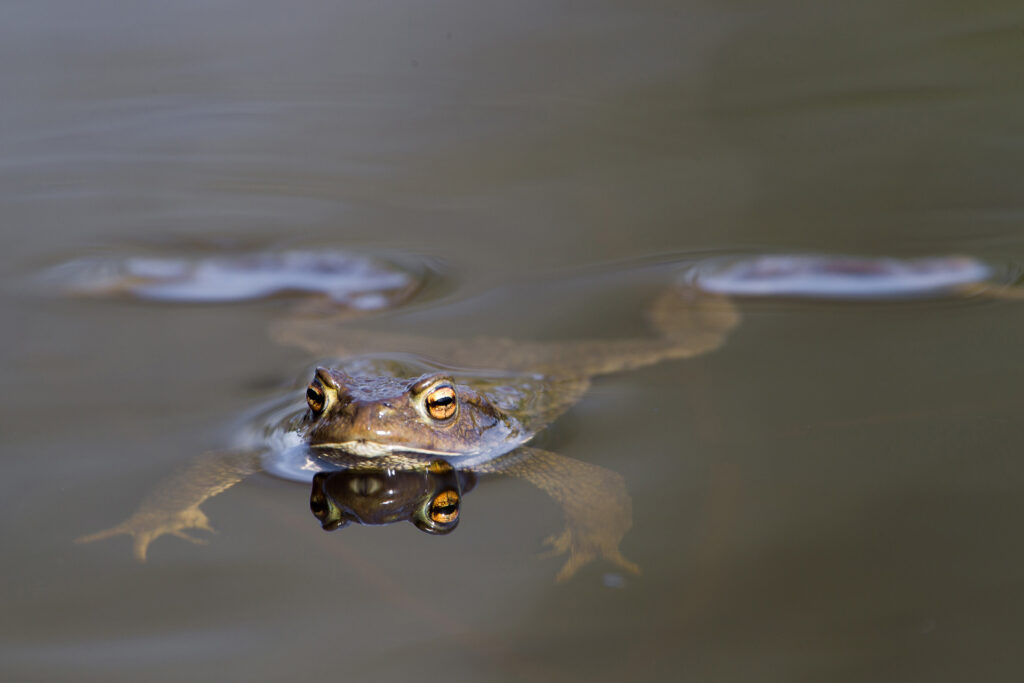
(173, 506)
(598, 510)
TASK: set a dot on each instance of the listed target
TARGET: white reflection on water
(355, 280)
(835, 276)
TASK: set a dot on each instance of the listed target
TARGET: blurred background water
(834, 495)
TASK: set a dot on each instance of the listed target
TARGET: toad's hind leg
(695, 322)
(598, 510)
(1002, 292)
(173, 506)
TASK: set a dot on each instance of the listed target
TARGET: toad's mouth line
(373, 449)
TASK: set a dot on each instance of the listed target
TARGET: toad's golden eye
(439, 467)
(315, 397)
(444, 509)
(441, 403)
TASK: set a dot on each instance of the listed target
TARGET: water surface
(834, 495)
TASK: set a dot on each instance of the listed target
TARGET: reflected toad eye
(444, 509)
(315, 397)
(441, 403)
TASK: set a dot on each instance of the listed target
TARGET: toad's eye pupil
(315, 398)
(441, 403)
(445, 508)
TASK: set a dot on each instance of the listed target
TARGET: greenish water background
(835, 495)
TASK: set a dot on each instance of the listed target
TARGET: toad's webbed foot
(173, 507)
(598, 510)
(145, 526)
(583, 549)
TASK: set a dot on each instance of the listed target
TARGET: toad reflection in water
(428, 496)
(416, 435)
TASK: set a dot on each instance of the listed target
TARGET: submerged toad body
(385, 441)
(394, 441)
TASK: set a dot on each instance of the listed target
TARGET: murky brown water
(834, 495)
